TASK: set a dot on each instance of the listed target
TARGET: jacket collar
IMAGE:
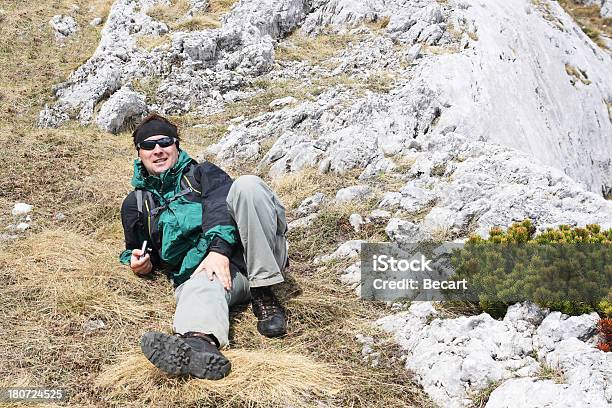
(166, 181)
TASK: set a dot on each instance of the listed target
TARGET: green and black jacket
(183, 215)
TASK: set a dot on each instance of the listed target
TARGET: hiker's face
(160, 159)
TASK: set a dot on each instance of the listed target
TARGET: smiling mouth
(159, 161)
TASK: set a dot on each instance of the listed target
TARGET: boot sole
(173, 356)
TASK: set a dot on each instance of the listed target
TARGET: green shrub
(565, 269)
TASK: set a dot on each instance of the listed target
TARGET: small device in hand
(143, 250)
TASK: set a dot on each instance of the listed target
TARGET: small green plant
(566, 269)
(548, 373)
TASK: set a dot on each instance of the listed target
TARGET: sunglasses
(150, 144)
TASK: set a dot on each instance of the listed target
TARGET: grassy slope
(589, 19)
(61, 274)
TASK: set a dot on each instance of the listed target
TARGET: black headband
(154, 128)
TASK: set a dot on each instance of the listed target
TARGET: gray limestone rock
(527, 312)
(589, 2)
(64, 26)
(21, 209)
(21, 227)
(503, 58)
(377, 168)
(96, 22)
(356, 221)
(310, 204)
(431, 34)
(557, 327)
(340, 13)
(390, 200)
(379, 215)
(354, 193)
(416, 198)
(197, 6)
(403, 232)
(413, 53)
(352, 277)
(121, 109)
(408, 322)
(585, 368)
(347, 250)
(532, 392)
(194, 70)
(52, 116)
(270, 17)
(455, 358)
(277, 103)
(606, 9)
(303, 222)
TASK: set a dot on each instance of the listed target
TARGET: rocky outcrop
(456, 358)
(339, 14)
(487, 185)
(520, 90)
(194, 71)
(495, 85)
(21, 221)
(116, 61)
(384, 124)
(347, 250)
(469, 168)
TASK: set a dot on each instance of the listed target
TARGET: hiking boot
(192, 353)
(271, 320)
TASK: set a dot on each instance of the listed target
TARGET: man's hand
(216, 264)
(140, 266)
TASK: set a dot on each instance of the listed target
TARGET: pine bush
(565, 269)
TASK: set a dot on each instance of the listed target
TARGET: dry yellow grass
(577, 74)
(198, 23)
(170, 13)
(149, 42)
(259, 378)
(317, 49)
(175, 14)
(590, 20)
(61, 275)
(295, 187)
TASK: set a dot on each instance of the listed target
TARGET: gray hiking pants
(203, 305)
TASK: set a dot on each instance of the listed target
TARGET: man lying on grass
(221, 243)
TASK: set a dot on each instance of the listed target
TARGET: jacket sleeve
(133, 230)
(215, 184)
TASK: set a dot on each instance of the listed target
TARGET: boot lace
(265, 304)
